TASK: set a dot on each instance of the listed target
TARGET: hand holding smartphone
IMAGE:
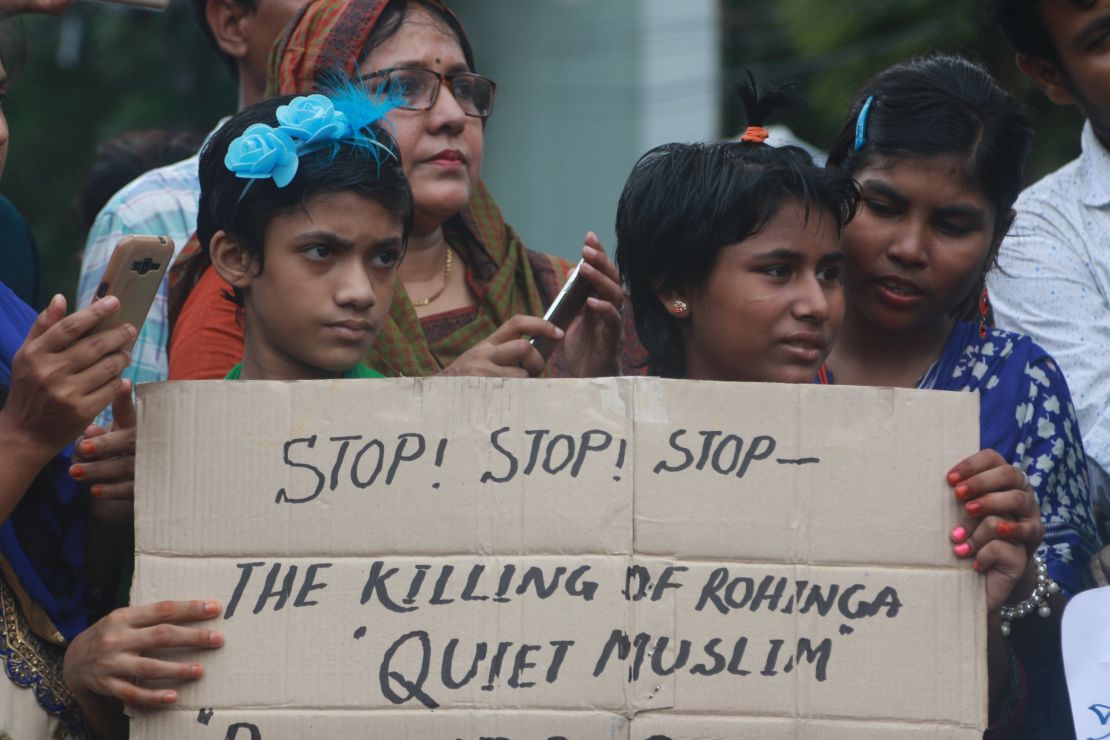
(564, 308)
(133, 275)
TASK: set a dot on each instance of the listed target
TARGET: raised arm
(62, 375)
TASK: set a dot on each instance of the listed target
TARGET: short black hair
(227, 204)
(1022, 23)
(683, 203)
(394, 14)
(200, 12)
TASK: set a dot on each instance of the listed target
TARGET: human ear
(1048, 76)
(231, 260)
(225, 18)
(673, 303)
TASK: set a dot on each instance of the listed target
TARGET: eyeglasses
(420, 88)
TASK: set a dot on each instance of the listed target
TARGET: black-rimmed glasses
(420, 88)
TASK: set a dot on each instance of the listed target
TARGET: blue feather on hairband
(364, 107)
(345, 112)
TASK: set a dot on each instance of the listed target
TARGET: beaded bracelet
(1038, 600)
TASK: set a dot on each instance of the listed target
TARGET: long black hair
(683, 203)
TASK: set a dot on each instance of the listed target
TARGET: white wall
(584, 88)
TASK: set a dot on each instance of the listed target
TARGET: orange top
(207, 339)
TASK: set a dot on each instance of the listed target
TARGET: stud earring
(679, 307)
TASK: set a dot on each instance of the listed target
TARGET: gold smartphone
(133, 275)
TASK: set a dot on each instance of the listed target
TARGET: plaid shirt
(162, 202)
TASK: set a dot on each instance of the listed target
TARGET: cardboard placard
(619, 558)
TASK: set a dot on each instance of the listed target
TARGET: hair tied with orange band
(759, 102)
(755, 135)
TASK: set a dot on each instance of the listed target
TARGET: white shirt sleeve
(1046, 286)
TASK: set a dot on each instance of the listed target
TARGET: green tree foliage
(833, 46)
(98, 71)
(101, 70)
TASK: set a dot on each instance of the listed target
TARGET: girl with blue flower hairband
(938, 149)
(305, 211)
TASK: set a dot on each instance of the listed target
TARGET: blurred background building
(585, 88)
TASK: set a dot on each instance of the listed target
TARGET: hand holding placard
(620, 558)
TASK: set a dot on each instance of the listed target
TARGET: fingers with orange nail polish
(974, 508)
(1006, 529)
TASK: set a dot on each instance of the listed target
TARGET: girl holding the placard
(736, 275)
(938, 150)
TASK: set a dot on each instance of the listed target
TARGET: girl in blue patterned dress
(938, 151)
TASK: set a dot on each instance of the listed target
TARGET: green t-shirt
(358, 372)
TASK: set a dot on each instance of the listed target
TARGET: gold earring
(679, 306)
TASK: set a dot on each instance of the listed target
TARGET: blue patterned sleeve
(1050, 449)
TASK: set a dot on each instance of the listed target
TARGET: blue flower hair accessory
(309, 123)
(263, 151)
(313, 118)
(861, 123)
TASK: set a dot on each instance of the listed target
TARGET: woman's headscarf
(42, 545)
(322, 37)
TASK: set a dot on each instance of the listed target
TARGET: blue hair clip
(308, 123)
(861, 123)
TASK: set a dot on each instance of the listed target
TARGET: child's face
(771, 307)
(918, 245)
(325, 287)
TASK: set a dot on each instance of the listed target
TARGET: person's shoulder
(8, 210)
(156, 189)
(1020, 353)
(1061, 188)
(364, 372)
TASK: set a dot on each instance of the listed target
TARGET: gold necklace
(438, 293)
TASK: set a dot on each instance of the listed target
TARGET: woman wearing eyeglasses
(469, 293)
